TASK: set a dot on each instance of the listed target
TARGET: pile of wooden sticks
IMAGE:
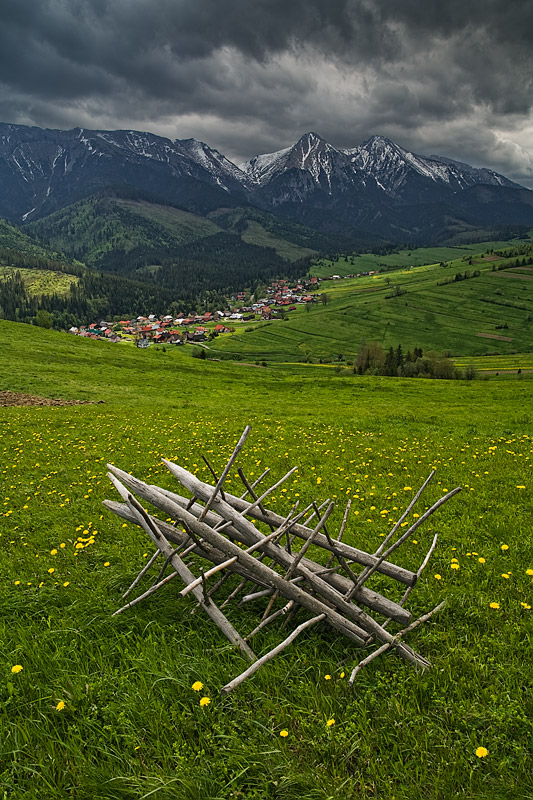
(231, 533)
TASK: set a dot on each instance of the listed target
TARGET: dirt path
(20, 399)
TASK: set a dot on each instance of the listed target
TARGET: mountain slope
(123, 230)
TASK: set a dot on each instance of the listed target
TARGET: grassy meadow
(417, 257)
(41, 281)
(491, 313)
(102, 707)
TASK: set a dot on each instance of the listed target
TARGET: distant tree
(43, 319)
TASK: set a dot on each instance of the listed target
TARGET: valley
(300, 293)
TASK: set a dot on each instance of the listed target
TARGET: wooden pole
(229, 687)
(394, 642)
(238, 448)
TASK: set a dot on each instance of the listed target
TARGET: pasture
(424, 306)
(100, 707)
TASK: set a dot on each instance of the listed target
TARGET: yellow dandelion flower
(481, 752)
(53, 552)
(66, 583)
(342, 674)
(284, 733)
(504, 547)
(481, 560)
(330, 722)
(529, 571)
(205, 701)
(327, 677)
(61, 705)
(16, 669)
(525, 605)
(505, 575)
(197, 686)
(51, 570)
(62, 545)
(438, 577)
(494, 605)
(520, 487)
(106, 563)
(454, 566)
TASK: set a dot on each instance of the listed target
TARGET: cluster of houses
(280, 297)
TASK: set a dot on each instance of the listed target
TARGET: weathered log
(151, 528)
(268, 656)
(388, 645)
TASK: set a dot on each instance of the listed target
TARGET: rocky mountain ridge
(377, 187)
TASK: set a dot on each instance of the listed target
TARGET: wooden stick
(238, 448)
(393, 643)
(271, 618)
(249, 489)
(406, 535)
(389, 536)
(274, 652)
(142, 573)
(184, 572)
(256, 482)
(148, 592)
(213, 473)
(421, 568)
(203, 577)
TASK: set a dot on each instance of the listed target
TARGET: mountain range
(376, 192)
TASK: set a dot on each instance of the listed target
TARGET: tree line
(373, 359)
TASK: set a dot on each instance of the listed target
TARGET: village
(281, 297)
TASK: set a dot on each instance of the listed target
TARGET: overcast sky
(450, 77)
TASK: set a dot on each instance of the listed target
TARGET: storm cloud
(450, 77)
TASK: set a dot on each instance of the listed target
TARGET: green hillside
(102, 707)
(41, 281)
(13, 239)
(413, 257)
(105, 230)
(289, 239)
(122, 229)
(432, 306)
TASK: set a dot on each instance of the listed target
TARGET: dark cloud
(444, 76)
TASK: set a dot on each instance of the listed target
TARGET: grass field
(418, 307)
(104, 707)
(420, 256)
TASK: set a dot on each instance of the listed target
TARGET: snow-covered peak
(311, 154)
(220, 167)
(260, 168)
